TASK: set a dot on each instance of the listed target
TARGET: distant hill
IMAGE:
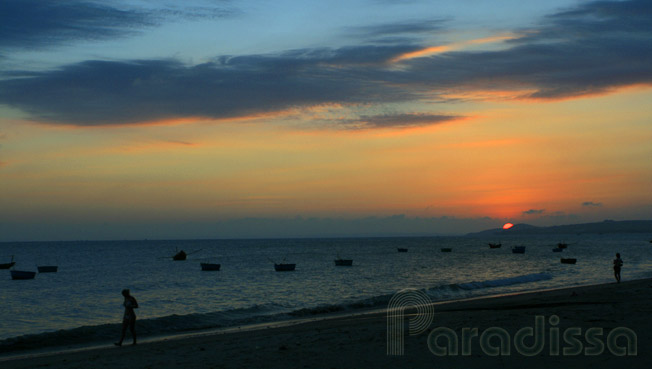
(607, 226)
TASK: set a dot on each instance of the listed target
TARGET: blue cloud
(34, 24)
(593, 48)
(31, 24)
(107, 92)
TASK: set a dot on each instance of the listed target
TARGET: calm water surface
(178, 296)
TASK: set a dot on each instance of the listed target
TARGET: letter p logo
(418, 323)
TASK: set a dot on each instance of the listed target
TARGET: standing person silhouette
(618, 263)
(129, 319)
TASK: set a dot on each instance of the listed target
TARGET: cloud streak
(105, 93)
(591, 49)
(401, 120)
(34, 24)
(397, 32)
(534, 211)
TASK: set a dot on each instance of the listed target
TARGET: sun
(508, 226)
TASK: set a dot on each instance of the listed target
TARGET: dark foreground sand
(361, 341)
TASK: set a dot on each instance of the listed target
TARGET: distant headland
(607, 226)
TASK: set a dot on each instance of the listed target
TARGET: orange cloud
(634, 87)
(527, 94)
(158, 122)
(258, 116)
(176, 121)
(423, 52)
(489, 95)
(453, 46)
(154, 146)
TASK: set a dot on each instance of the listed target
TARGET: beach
(360, 340)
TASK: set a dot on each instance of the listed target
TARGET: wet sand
(360, 341)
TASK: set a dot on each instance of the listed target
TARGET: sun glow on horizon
(508, 226)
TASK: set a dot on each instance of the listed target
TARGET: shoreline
(325, 338)
(287, 319)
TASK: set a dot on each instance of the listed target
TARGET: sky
(248, 119)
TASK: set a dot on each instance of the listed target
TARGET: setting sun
(508, 226)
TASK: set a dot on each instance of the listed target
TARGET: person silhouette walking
(618, 263)
(129, 318)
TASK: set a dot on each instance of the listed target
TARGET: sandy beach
(360, 341)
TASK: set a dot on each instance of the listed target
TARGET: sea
(82, 302)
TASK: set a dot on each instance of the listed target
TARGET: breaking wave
(174, 324)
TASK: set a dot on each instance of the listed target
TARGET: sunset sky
(251, 118)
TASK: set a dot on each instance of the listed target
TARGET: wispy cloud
(591, 204)
(397, 32)
(104, 93)
(401, 120)
(534, 211)
(154, 145)
(440, 49)
(35, 24)
(594, 48)
(183, 143)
